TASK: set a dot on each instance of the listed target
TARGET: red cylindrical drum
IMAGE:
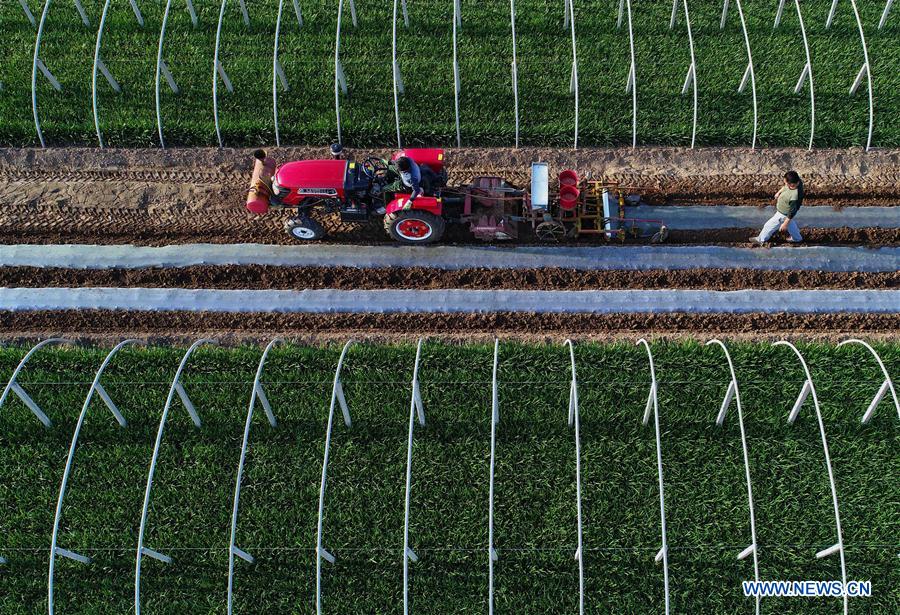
(568, 197)
(258, 196)
(568, 178)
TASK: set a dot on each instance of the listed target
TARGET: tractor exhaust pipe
(260, 182)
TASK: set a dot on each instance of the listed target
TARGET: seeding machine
(492, 208)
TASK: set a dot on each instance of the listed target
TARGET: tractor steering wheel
(375, 168)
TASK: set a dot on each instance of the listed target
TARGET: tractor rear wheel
(304, 228)
(414, 226)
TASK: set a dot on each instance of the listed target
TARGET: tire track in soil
(192, 176)
(263, 277)
(839, 177)
(107, 326)
(655, 189)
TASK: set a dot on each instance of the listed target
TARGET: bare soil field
(156, 196)
(261, 277)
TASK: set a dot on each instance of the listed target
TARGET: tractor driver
(409, 176)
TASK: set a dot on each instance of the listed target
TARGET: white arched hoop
(808, 71)
(631, 86)
(881, 22)
(887, 385)
(573, 79)
(457, 21)
(340, 81)
(219, 71)
(97, 64)
(55, 550)
(395, 71)
(189, 406)
(807, 68)
(495, 419)
(415, 408)
(159, 71)
(749, 72)
(653, 405)
(734, 393)
(575, 421)
(809, 387)
(691, 78)
(515, 66)
(16, 388)
(38, 64)
(867, 67)
(277, 70)
(257, 393)
(337, 396)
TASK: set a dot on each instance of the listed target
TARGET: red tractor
(356, 191)
(492, 208)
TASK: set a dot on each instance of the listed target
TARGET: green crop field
(535, 514)
(307, 112)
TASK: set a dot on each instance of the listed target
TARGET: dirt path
(107, 326)
(261, 277)
(841, 177)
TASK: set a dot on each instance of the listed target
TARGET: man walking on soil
(787, 203)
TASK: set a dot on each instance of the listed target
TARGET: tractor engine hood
(323, 178)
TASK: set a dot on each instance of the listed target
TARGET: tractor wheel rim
(302, 232)
(414, 229)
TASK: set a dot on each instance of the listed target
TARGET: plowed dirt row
(834, 177)
(348, 278)
(97, 325)
(149, 229)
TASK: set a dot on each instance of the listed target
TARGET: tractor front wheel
(304, 229)
(414, 226)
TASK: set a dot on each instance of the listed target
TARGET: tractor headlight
(275, 187)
